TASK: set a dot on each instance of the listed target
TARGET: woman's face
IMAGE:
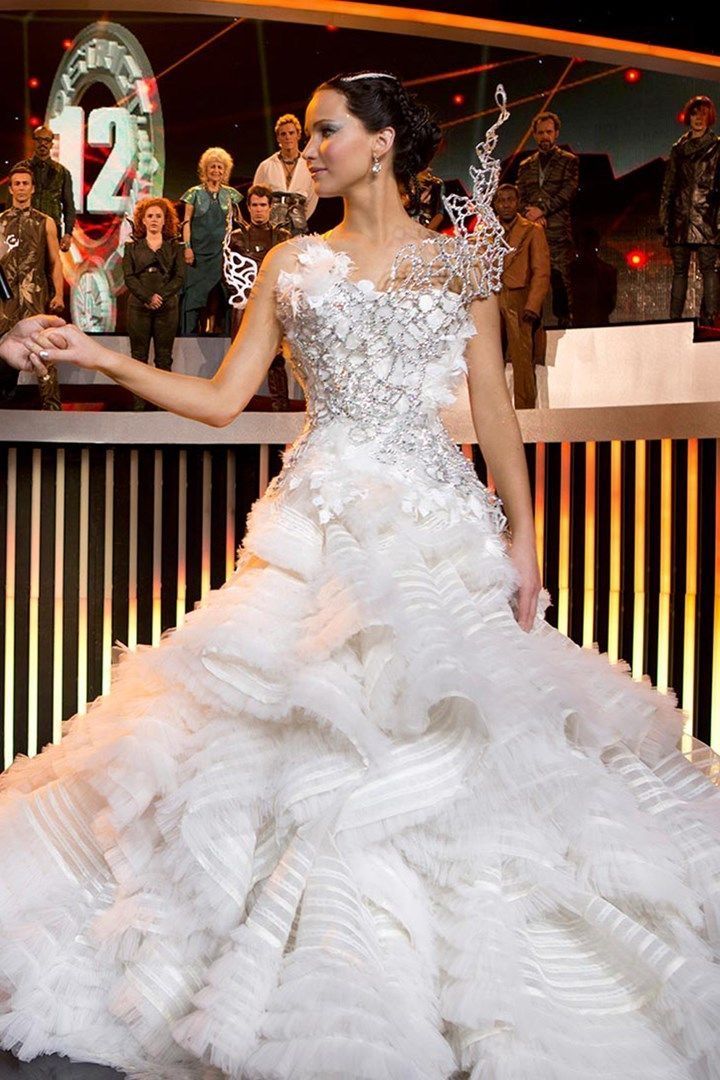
(340, 149)
(215, 171)
(700, 118)
(154, 219)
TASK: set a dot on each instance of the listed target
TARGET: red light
(33, 83)
(681, 117)
(636, 259)
(67, 43)
(632, 75)
(35, 121)
(458, 99)
(330, 28)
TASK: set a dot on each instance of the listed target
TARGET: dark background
(227, 90)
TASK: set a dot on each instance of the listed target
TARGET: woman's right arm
(186, 230)
(217, 401)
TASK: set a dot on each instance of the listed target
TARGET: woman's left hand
(524, 559)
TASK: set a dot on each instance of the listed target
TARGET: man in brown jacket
(525, 282)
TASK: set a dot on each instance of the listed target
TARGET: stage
(113, 525)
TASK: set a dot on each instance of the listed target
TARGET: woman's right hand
(189, 255)
(67, 344)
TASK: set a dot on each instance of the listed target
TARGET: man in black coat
(690, 207)
(547, 182)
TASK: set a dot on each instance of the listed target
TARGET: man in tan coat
(525, 282)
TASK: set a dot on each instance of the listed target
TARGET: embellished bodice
(377, 367)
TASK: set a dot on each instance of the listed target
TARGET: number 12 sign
(131, 133)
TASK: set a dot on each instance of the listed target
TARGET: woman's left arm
(499, 438)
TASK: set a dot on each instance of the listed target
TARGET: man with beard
(547, 182)
(53, 193)
(525, 282)
(689, 207)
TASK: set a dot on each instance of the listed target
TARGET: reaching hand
(65, 343)
(16, 345)
(66, 243)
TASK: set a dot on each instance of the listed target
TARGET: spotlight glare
(636, 259)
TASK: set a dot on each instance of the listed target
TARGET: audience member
(689, 207)
(30, 257)
(254, 239)
(525, 283)
(547, 182)
(53, 193)
(288, 177)
(154, 269)
(209, 206)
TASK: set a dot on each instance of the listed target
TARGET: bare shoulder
(283, 256)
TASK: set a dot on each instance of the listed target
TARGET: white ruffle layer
(351, 823)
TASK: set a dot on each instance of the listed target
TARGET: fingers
(46, 321)
(50, 338)
(37, 365)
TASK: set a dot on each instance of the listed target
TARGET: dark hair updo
(379, 100)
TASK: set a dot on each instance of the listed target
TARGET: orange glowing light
(67, 43)
(458, 99)
(632, 75)
(33, 82)
(636, 259)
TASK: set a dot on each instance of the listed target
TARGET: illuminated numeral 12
(107, 127)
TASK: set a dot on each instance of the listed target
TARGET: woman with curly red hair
(154, 268)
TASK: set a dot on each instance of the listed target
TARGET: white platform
(647, 364)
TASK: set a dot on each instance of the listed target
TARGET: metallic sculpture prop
(132, 130)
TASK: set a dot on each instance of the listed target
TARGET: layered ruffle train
(351, 822)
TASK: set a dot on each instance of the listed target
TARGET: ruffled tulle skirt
(351, 822)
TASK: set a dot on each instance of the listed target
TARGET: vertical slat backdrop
(105, 545)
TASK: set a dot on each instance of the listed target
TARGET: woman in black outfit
(154, 268)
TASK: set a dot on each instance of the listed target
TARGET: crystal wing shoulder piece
(239, 273)
(470, 261)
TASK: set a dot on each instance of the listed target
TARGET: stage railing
(113, 526)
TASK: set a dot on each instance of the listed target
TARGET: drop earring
(376, 165)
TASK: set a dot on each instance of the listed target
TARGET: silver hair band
(369, 75)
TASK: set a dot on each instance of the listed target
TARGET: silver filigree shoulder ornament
(469, 262)
(482, 247)
(239, 271)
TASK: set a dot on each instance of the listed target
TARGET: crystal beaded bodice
(377, 366)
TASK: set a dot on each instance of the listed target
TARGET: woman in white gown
(366, 815)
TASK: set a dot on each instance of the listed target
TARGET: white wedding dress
(351, 822)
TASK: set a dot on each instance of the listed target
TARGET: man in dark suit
(547, 182)
(14, 350)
